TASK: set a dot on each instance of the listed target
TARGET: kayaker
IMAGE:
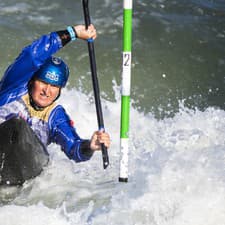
(32, 84)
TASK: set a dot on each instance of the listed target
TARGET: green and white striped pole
(125, 92)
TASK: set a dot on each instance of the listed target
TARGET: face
(43, 94)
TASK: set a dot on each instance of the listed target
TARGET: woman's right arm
(35, 54)
(29, 60)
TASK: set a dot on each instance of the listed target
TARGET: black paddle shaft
(95, 82)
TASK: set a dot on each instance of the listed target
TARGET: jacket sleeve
(29, 60)
(63, 133)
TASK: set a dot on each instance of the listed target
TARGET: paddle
(95, 82)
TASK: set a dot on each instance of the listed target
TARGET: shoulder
(58, 112)
(58, 116)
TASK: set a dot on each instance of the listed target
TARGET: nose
(47, 89)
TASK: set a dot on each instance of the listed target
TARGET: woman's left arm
(64, 134)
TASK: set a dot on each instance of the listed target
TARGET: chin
(42, 105)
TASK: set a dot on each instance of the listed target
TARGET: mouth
(44, 96)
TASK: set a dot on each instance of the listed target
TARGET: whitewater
(177, 117)
(176, 173)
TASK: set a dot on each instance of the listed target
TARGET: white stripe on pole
(127, 4)
(126, 74)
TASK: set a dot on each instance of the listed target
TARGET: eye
(42, 82)
(54, 86)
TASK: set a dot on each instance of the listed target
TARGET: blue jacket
(53, 125)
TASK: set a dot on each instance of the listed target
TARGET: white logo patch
(52, 76)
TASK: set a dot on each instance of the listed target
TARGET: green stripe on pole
(125, 111)
(127, 30)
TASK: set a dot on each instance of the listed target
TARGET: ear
(30, 85)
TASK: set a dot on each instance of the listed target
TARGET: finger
(91, 26)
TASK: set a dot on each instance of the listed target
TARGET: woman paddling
(32, 84)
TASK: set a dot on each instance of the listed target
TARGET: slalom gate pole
(125, 93)
(90, 42)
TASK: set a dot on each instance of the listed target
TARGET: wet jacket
(51, 125)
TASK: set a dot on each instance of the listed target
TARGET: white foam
(176, 173)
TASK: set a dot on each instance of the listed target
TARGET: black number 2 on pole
(95, 82)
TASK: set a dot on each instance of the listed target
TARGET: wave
(176, 172)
